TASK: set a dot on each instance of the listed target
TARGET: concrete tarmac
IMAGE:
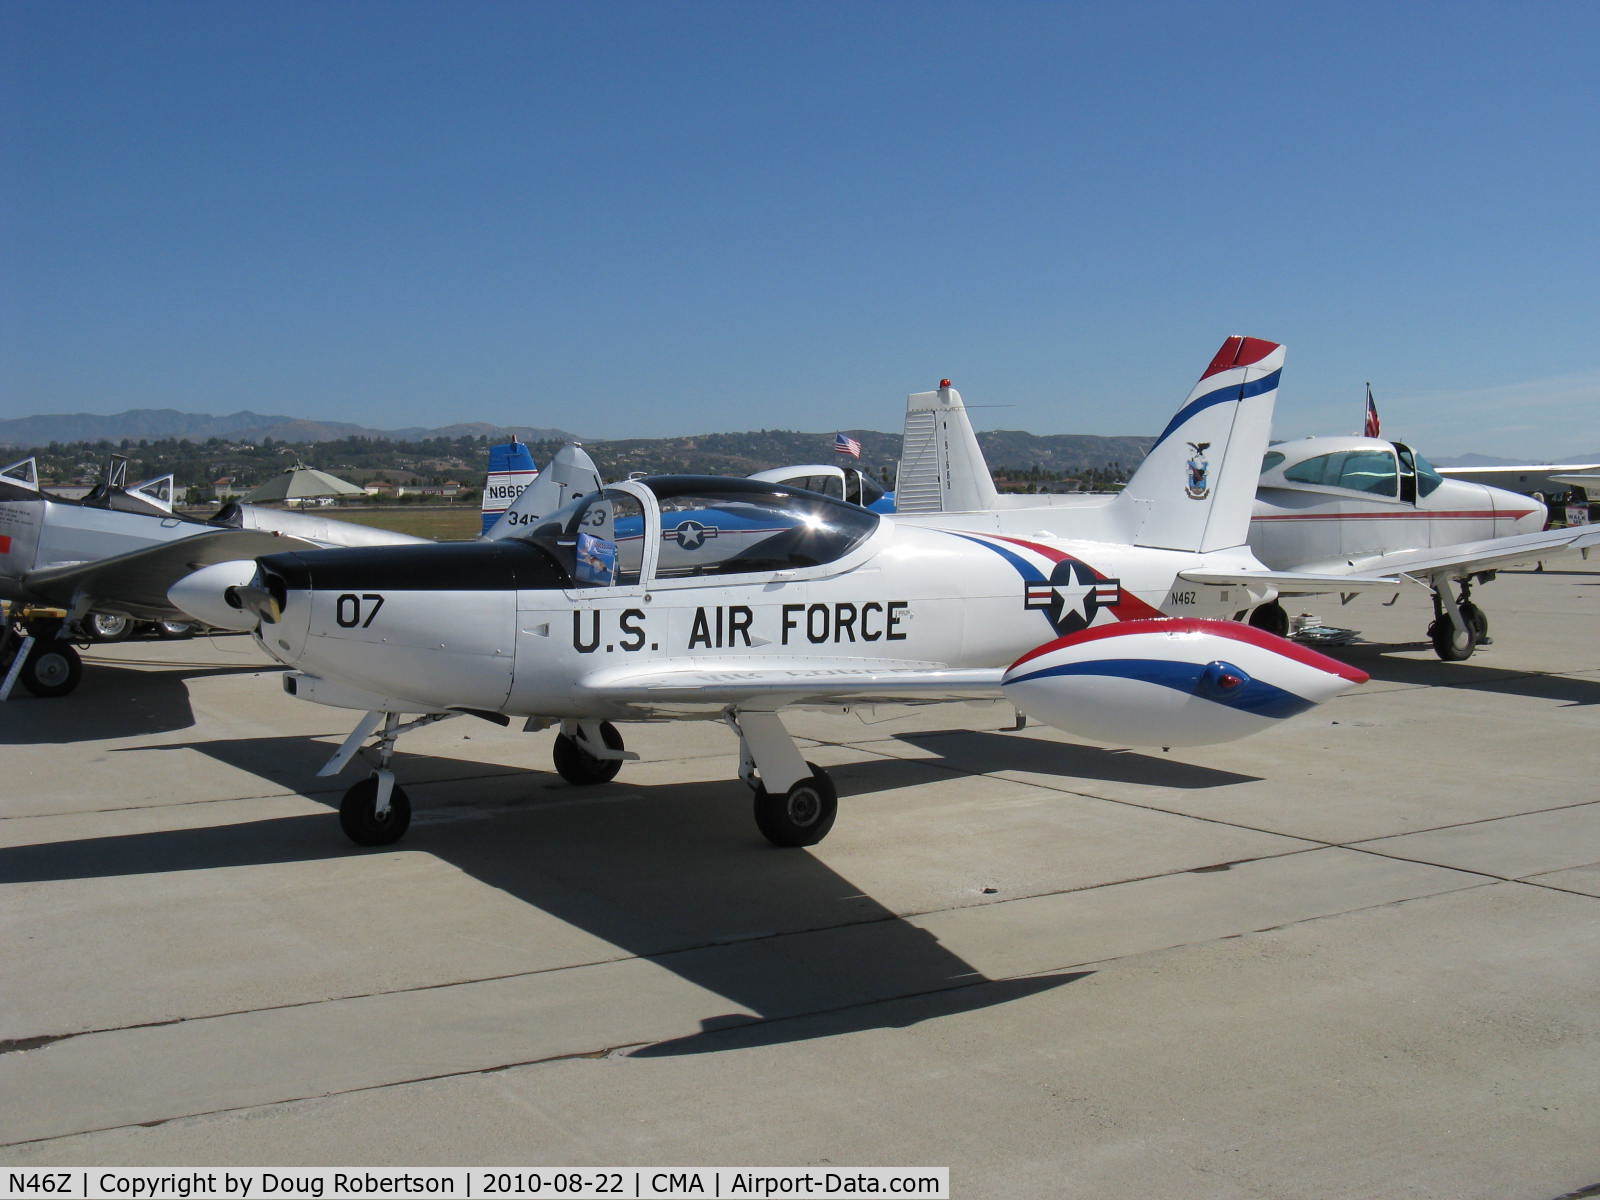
(1358, 956)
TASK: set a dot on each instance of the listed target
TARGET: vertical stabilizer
(511, 469)
(1195, 489)
(570, 473)
(941, 467)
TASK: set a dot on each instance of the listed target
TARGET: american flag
(1372, 415)
(846, 445)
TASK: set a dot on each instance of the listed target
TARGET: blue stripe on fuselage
(1025, 568)
(1253, 696)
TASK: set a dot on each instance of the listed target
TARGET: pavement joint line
(1523, 880)
(603, 1052)
(1532, 812)
(1228, 937)
(755, 1022)
(1004, 773)
(38, 1041)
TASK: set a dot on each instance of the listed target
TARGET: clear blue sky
(641, 219)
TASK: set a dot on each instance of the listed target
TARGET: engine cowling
(1172, 682)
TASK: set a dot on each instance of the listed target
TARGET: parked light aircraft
(1368, 510)
(841, 482)
(117, 551)
(569, 624)
(1541, 481)
(1330, 515)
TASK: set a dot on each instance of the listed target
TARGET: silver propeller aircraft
(585, 618)
(116, 552)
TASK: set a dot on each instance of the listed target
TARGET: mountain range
(152, 423)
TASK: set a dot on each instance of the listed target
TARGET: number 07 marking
(347, 609)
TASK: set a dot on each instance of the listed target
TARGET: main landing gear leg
(795, 801)
(376, 811)
(1459, 626)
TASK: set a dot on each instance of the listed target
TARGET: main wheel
(1272, 618)
(176, 629)
(1450, 643)
(577, 766)
(108, 627)
(1480, 623)
(358, 815)
(53, 669)
(801, 816)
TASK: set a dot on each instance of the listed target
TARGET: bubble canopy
(703, 525)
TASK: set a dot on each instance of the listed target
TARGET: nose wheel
(371, 818)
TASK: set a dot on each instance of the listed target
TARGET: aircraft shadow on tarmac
(984, 751)
(673, 873)
(1380, 661)
(110, 702)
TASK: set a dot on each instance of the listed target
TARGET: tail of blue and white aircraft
(1193, 491)
(1197, 485)
(569, 474)
(511, 469)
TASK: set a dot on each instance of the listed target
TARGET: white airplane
(571, 624)
(1541, 481)
(1375, 513)
(115, 553)
(1329, 515)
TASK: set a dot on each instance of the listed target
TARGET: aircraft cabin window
(1315, 470)
(1427, 477)
(1271, 459)
(597, 539)
(1370, 471)
(729, 527)
(828, 485)
(871, 493)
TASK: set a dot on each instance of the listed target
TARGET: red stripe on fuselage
(1441, 515)
(1228, 629)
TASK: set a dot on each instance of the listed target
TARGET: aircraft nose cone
(204, 595)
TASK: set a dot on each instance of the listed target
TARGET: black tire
(53, 669)
(175, 629)
(1272, 618)
(1480, 623)
(1451, 644)
(803, 815)
(359, 820)
(582, 769)
(108, 627)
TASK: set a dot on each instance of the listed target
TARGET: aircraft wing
(698, 685)
(1388, 572)
(1298, 582)
(136, 583)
